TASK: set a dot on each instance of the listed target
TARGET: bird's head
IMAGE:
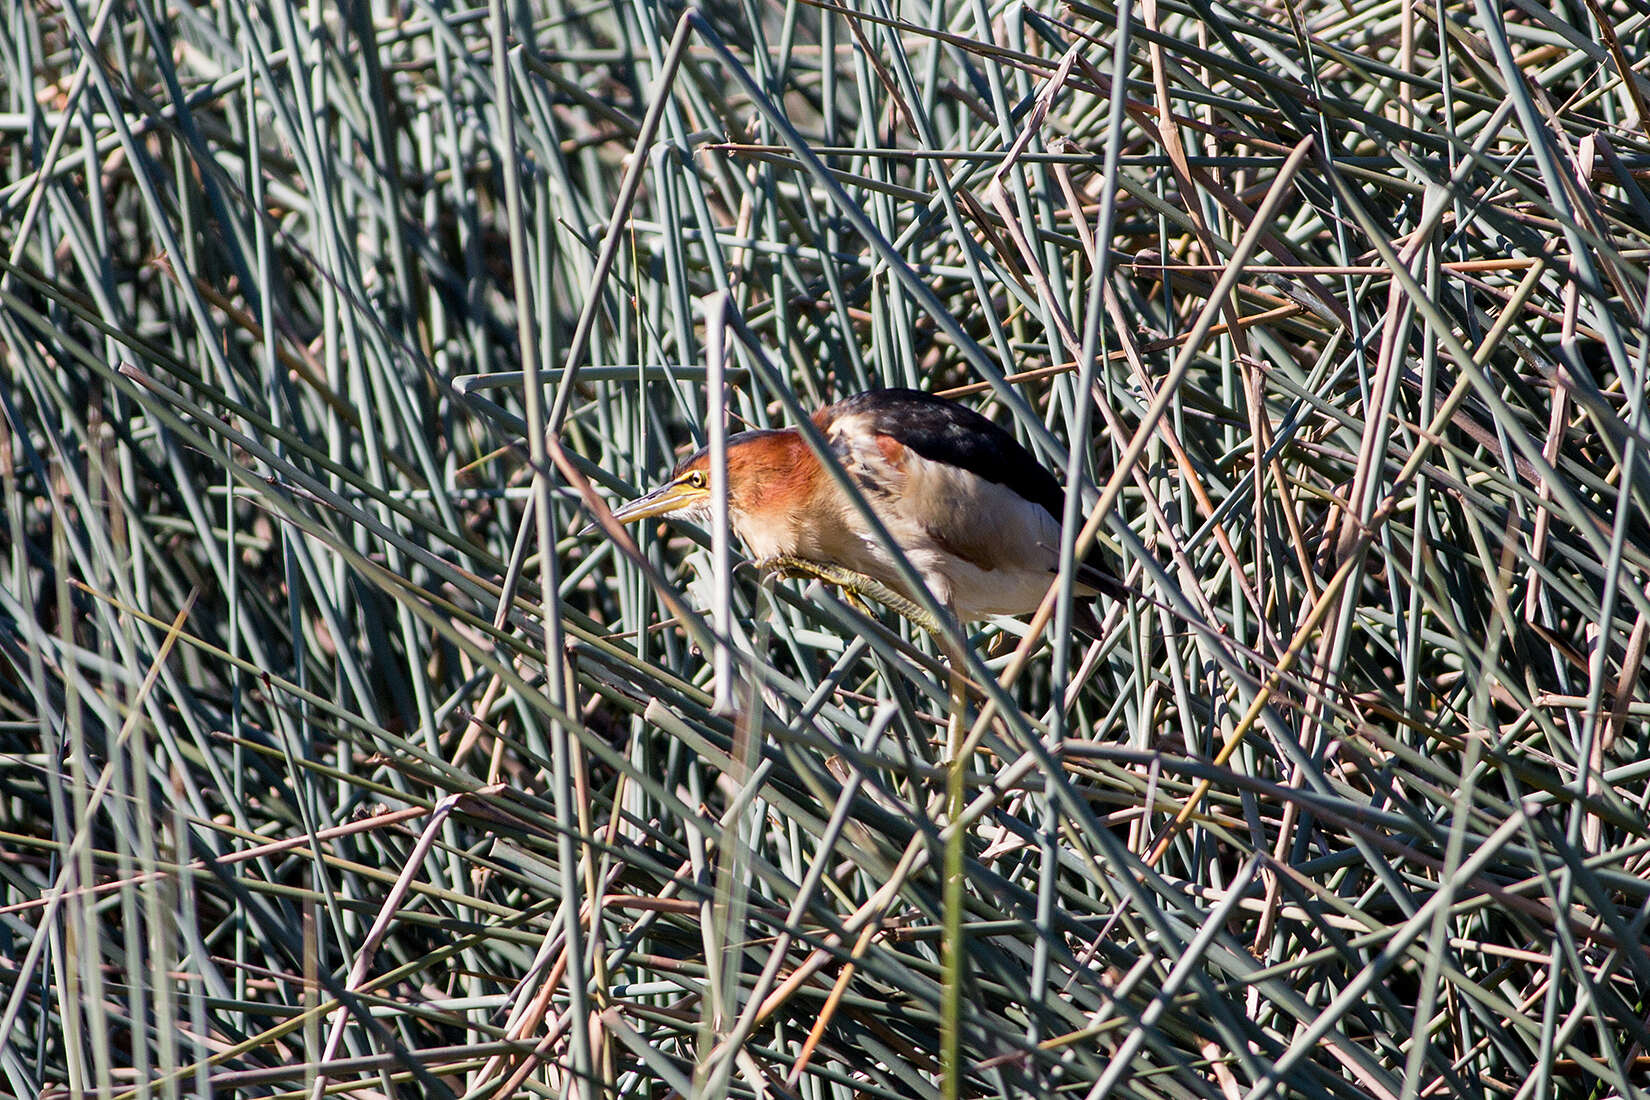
(764, 468)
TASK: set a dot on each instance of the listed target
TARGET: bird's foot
(856, 585)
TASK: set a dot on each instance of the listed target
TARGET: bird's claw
(857, 586)
(786, 566)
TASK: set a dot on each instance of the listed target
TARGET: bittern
(973, 512)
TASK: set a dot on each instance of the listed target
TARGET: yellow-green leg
(856, 585)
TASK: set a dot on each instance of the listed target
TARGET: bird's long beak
(665, 499)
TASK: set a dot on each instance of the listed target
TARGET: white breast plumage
(951, 523)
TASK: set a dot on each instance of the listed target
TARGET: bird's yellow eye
(696, 479)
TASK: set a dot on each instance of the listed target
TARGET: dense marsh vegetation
(336, 754)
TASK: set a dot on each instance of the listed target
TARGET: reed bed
(338, 756)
